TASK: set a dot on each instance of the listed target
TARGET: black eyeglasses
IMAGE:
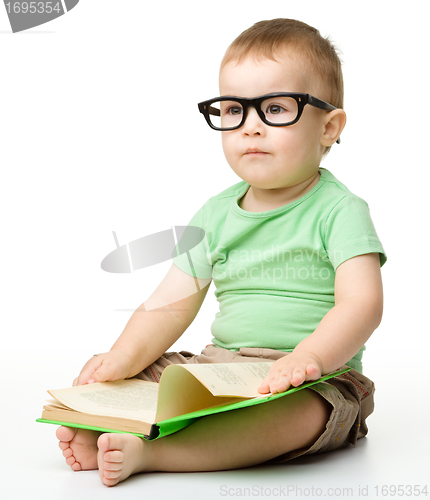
(279, 109)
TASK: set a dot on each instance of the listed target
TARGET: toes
(103, 443)
(112, 466)
(110, 482)
(107, 442)
(112, 474)
(110, 458)
(114, 456)
(65, 433)
(70, 459)
(112, 463)
(78, 447)
(109, 478)
(64, 445)
(118, 457)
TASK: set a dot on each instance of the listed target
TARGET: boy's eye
(280, 110)
(234, 110)
(275, 109)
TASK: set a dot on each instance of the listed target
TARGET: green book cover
(174, 424)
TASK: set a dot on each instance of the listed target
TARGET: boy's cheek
(228, 148)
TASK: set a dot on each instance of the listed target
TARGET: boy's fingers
(281, 384)
(87, 371)
(298, 377)
(266, 383)
(264, 387)
(314, 372)
(105, 372)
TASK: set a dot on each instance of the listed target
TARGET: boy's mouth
(254, 151)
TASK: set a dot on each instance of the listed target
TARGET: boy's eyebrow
(310, 99)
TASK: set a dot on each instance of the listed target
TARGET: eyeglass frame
(302, 99)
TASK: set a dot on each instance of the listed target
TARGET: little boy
(296, 263)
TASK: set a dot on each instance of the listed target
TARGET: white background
(85, 150)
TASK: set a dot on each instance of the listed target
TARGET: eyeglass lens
(277, 110)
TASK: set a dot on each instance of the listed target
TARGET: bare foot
(119, 456)
(79, 447)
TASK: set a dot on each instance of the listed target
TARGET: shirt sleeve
(192, 251)
(350, 232)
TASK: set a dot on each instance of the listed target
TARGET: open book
(150, 410)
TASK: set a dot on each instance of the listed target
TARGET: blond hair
(269, 38)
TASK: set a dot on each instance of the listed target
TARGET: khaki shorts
(350, 394)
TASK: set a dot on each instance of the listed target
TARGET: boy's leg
(78, 445)
(229, 440)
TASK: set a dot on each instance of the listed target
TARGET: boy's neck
(263, 200)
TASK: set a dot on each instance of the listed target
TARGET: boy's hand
(292, 369)
(112, 365)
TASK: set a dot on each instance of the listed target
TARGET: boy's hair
(268, 38)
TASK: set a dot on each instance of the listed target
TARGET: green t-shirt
(274, 271)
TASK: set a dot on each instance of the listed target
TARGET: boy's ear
(334, 123)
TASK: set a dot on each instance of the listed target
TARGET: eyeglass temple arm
(317, 103)
(203, 108)
(214, 111)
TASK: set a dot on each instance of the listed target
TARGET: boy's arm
(343, 330)
(151, 330)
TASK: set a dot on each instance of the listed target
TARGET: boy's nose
(253, 124)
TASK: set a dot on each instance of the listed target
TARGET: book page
(181, 392)
(133, 398)
(229, 379)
